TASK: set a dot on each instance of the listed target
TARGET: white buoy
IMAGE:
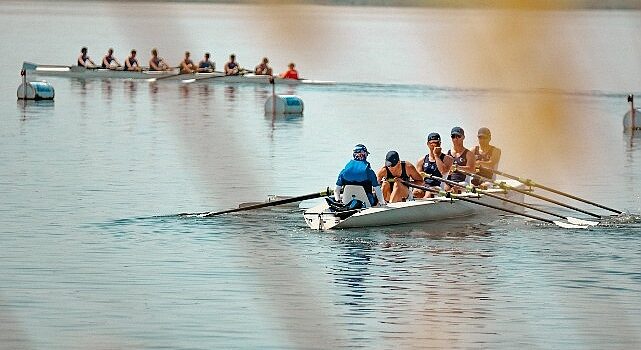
(34, 90)
(631, 119)
(283, 104)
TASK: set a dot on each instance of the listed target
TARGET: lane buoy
(34, 90)
(283, 104)
(632, 118)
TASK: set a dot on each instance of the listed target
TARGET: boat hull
(213, 77)
(421, 210)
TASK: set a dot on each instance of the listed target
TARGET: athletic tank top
(432, 169)
(458, 161)
(390, 178)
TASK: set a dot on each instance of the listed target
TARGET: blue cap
(457, 130)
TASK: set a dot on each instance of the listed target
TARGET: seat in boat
(355, 191)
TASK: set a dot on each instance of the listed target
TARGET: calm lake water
(94, 256)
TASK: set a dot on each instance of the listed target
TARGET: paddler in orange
(390, 175)
(291, 73)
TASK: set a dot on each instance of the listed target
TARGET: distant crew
(291, 73)
(206, 65)
(262, 68)
(156, 63)
(84, 60)
(390, 175)
(187, 66)
(487, 157)
(232, 67)
(132, 63)
(109, 61)
(463, 158)
(434, 163)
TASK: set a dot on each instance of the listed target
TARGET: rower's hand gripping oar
(505, 186)
(326, 192)
(451, 195)
(529, 182)
(474, 189)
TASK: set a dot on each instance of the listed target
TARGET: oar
(172, 75)
(188, 81)
(532, 183)
(326, 192)
(489, 194)
(558, 223)
(505, 186)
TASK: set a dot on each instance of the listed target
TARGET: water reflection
(106, 89)
(230, 93)
(33, 109)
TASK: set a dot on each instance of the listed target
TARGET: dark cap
(360, 148)
(457, 130)
(392, 158)
(484, 132)
(433, 136)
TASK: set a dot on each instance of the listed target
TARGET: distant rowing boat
(47, 70)
(321, 217)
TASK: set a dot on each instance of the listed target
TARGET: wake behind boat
(77, 72)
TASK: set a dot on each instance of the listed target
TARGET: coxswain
(434, 163)
(463, 158)
(359, 172)
(487, 157)
(262, 68)
(157, 63)
(84, 60)
(109, 61)
(131, 62)
(206, 65)
(187, 66)
(291, 73)
(392, 172)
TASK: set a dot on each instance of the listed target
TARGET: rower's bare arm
(420, 162)
(414, 174)
(445, 164)
(470, 166)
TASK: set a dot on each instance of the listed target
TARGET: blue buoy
(34, 90)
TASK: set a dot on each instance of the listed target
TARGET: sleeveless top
(156, 61)
(459, 161)
(484, 157)
(109, 59)
(132, 61)
(432, 169)
(390, 178)
(232, 65)
(84, 60)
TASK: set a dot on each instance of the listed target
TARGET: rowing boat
(322, 217)
(42, 70)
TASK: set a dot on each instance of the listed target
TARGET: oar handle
(480, 203)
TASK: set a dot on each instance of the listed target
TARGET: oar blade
(188, 81)
(569, 225)
(581, 222)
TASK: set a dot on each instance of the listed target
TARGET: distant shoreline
(479, 4)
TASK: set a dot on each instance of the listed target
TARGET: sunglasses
(435, 143)
(482, 137)
(456, 136)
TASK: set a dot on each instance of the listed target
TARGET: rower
(434, 163)
(463, 158)
(187, 66)
(393, 171)
(291, 73)
(205, 65)
(232, 67)
(131, 62)
(157, 63)
(487, 157)
(84, 60)
(109, 60)
(262, 68)
(359, 172)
